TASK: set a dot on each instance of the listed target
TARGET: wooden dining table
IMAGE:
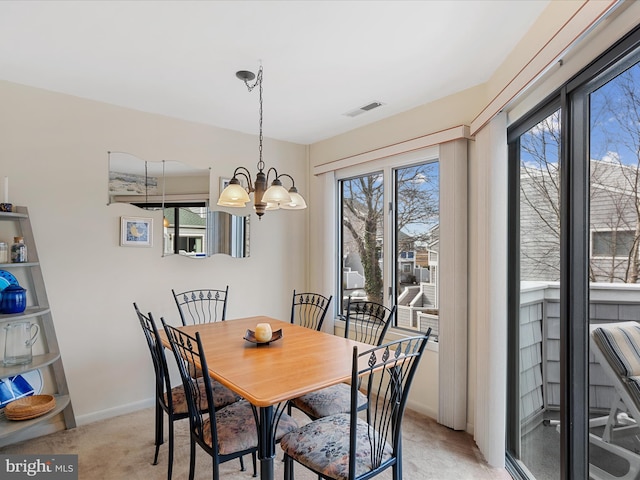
(302, 361)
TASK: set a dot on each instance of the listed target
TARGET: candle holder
(6, 207)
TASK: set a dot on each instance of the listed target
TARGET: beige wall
(54, 150)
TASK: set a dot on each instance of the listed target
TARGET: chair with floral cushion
(355, 445)
(224, 434)
(365, 322)
(309, 309)
(171, 400)
(202, 306)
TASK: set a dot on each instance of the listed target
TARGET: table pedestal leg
(266, 443)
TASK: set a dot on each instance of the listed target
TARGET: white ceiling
(321, 59)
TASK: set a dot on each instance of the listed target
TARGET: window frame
(387, 167)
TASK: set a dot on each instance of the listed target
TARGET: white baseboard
(114, 412)
(421, 408)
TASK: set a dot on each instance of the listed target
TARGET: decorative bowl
(250, 336)
(29, 407)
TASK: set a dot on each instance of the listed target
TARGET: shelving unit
(46, 358)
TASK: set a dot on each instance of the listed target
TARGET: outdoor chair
(171, 400)
(309, 309)
(345, 446)
(616, 346)
(202, 306)
(224, 434)
(365, 322)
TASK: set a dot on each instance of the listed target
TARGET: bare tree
(616, 116)
(614, 193)
(363, 210)
(540, 200)
(363, 199)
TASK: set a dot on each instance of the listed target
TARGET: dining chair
(365, 322)
(202, 306)
(309, 309)
(347, 446)
(224, 434)
(171, 400)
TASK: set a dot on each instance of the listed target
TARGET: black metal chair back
(368, 322)
(385, 373)
(202, 306)
(309, 309)
(202, 423)
(388, 372)
(164, 402)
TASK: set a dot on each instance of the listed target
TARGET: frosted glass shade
(233, 196)
(276, 194)
(296, 203)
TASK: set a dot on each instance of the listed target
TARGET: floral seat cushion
(328, 401)
(323, 446)
(237, 429)
(222, 396)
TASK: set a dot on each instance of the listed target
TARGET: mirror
(182, 193)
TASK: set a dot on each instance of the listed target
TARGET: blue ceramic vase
(13, 299)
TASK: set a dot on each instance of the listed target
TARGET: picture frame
(136, 232)
(224, 183)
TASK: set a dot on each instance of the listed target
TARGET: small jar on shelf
(4, 252)
(18, 250)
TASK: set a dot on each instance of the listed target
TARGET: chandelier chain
(250, 87)
(260, 161)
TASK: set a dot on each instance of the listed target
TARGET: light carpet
(122, 448)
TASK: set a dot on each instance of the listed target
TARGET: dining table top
(302, 361)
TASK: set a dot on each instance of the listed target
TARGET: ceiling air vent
(361, 110)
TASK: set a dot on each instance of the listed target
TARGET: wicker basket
(29, 407)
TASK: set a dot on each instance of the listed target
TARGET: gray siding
(531, 384)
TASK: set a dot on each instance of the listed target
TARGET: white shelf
(38, 362)
(13, 215)
(9, 427)
(50, 361)
(4, 266)
(30, 312)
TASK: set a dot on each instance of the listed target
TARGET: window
(409, 223)
(612, 243)
(416, 229)
(362, 205)
(185, 230)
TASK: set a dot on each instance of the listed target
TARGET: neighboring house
(192, 231)
(614, 223)
(406, 259)
(418, 305)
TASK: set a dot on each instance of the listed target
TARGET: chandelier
(272, 198)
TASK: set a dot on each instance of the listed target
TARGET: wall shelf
(48, 361)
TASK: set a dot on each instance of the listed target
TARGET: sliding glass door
(574, 266)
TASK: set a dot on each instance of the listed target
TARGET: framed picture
(224, 183)
(136, 232)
